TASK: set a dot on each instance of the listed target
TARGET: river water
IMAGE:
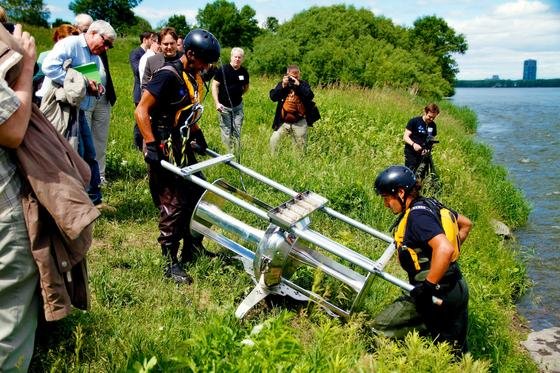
(522, 126)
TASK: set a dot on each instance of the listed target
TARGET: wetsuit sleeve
(158, 84)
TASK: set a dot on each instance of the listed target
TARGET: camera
(430, 141)
(291, 81)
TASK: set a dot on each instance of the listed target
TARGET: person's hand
(422, 296)
(92, 88)
(100, 90)
(27, 44)
(220, 107)
(198, 148)
(416, 147)
(153, 154)
(285, 81)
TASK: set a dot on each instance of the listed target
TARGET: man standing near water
(416, 135)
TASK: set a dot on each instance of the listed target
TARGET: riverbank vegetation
(140, 322)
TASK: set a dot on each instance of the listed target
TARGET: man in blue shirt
(79, 50)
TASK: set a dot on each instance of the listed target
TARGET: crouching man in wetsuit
(169, 102)
(428, 237)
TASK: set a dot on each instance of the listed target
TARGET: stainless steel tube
(293, 193)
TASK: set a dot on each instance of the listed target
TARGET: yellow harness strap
(451, 229)
(399, 238)
(194, 92)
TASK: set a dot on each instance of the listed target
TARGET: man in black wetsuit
(171, 101)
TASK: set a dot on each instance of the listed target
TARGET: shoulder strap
(172, 69)
(429, 204)
(398, 235)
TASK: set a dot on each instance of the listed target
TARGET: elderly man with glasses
(79, 50)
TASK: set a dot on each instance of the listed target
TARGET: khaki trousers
(19, 297)
(297, 131)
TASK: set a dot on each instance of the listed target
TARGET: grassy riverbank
(138, 320)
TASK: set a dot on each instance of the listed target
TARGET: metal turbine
(287, 244)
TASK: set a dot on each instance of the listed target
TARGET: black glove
(153, 154)
(198, 143)
(422, 296)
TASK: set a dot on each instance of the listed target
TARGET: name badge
(241, 77)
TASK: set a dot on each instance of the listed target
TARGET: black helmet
(393, 178)
(203, 44)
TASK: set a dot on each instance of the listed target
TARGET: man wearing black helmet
(167, 115)
(428, 237)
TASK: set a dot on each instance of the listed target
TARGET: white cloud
(157, 15)
(54, 8)
(521, 8)
(501, 39)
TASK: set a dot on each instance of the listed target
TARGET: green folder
(90, 71)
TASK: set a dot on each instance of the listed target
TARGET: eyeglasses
(106, 42)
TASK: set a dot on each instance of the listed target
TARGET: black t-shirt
(420, 130)
(168, 91)
(235, 81)
(422, 226)
(171, 95)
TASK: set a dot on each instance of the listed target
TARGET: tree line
(338, 44)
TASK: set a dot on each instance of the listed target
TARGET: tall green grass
(140, 322)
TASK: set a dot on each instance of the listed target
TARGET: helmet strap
(403, 199)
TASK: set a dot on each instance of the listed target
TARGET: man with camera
(295, 110)
(416, 135)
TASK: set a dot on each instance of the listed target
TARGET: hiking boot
(199, 249)
(193, 251)
(176, 273)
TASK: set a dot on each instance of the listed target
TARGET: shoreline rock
(544, 348)
(501, 229)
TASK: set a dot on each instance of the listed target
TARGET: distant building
(529, 70)
(495, 77)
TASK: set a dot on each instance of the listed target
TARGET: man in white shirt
(153, 50)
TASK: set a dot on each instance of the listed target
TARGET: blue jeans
(86, 149)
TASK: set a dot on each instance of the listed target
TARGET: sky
(501, 34)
